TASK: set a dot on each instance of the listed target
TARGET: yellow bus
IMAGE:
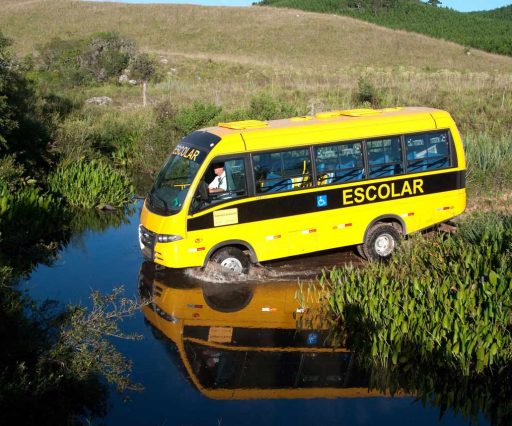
(242, 342)
(252, 191)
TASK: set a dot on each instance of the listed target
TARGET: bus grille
(147, 242)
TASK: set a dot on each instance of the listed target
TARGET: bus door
(223, 212)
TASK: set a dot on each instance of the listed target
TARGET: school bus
(251, 191)
(242, 342)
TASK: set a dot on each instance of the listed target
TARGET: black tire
(233, 259)
(381, 242)
(223, 298)
(360, 251)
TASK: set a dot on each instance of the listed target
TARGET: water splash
(215, 273)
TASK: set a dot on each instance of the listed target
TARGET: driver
(219, 183)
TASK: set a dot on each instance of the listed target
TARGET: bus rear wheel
(233, 259)
(380, 243)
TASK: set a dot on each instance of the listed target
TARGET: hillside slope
(280, 38)
(490, 31)
(500, 13)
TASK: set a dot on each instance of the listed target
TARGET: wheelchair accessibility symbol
(321, 200)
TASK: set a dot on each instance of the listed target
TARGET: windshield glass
(174, 180)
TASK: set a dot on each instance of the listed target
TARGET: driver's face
(218, 170)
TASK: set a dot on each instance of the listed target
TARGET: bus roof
(348, 118)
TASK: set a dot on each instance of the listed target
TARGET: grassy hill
(504, 13)
(256, 35)
(490, 31)
(226, 56)
(220, 64)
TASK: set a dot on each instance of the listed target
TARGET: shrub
(194, 117)
(98, 57)
(267, 107)
(97, 133)
(11, 173)
(90, 184)
(366, 93)
(22, 131)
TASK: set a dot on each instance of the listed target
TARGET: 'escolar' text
(384, 191)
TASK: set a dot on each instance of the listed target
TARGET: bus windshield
(173, 182)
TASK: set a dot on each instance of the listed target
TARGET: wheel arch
(240, 244)
(394, 220)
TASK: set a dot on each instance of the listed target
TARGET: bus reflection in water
(241, 341)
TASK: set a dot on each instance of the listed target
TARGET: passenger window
(384, 157)
(339, 163)
(427, 151)
(282, 171)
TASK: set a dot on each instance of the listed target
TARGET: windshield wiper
(166, 206)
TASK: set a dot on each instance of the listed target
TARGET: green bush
(96, 58)
(196, 116)
(96, 133)
(267, 107)
(23, 131)
(366, 93)
(11, 173)
(90, 184)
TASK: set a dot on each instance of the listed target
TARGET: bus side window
(281, 171)
(339, 163)
(235, 177)
(384, 157)
(427, 151)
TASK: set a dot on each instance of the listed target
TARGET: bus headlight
(165, 238)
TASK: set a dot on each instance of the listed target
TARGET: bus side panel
(267, 238)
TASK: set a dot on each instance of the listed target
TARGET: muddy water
(224, 353)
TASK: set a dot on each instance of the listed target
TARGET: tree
(434, 3)
(143, 68)
(22, 130)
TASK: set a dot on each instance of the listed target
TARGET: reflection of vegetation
(54, 360)
(449, 297)
(31, 227)
(84, 339)
(436, 321)
(98, 220)
(438, 386)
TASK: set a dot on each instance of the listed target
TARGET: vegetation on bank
(445, 299)
(56, 360)
(488, 31)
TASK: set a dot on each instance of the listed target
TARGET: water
(234, 357)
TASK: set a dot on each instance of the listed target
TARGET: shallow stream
(220, 353)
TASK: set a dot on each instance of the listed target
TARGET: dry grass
(283, 39)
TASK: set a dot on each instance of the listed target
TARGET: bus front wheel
(380, 242)
(233, 259)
